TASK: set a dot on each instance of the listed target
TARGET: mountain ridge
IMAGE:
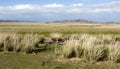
(63, 21)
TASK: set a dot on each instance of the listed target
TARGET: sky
(53, 10)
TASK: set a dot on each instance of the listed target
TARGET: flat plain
(68, 28)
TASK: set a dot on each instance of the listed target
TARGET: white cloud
(54, 5)
(106, 7)
(22, 7)
(60, 8)
(79, 4)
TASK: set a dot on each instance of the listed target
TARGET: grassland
(45, 56)
(46, 28)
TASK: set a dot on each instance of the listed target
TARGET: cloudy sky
(52, 10)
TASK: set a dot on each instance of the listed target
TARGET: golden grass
(46, 28)
(92, 48)
(19, 43)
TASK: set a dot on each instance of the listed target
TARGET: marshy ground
(47, 60)
(44, 56)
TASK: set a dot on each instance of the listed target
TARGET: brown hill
(72, 21)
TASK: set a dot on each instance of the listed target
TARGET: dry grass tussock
(92, 48)
(18, 43)
(56, 35)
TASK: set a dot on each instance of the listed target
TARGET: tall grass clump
(29, 42)
(92, 51)
(70, 48)
(18, 42)
(114, 52)
(106, 39)
(92, 48)
(5, 42)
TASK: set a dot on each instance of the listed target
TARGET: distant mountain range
(76, 21)
(62, 21)
(82, 21)
(9, 21)
(15, 21)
